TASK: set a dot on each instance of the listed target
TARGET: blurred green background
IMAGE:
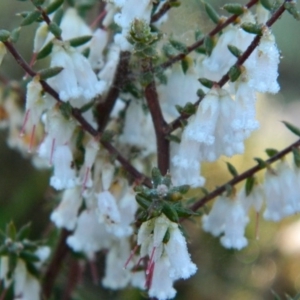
(270, 263)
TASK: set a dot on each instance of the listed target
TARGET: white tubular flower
(138, 129)
(254, 199)
(65, 215)
(214, 221)
(281, 188)
(116, 276)
(2, 52)
(107, 175)
(108, 211)
(111, 10)
(40, 37)
(262, 65)
(162, 284)
(91, 151)
(180, 89)
(96, 239)
(77, 79)
(97, 45)
(64, 176)
(4, 269)
(168, 260)
(88, 83)
(72, 26)
(186, 167)
(36, 104)
(43, 253)
(234, 226)
(108, 71)
(229, 217)
(127, 206)
(26, 287)
(65, 83)
(142, 11)
(201, 127)
(180, 260)
(221, 59)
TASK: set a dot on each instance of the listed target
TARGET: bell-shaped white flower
(65, 215)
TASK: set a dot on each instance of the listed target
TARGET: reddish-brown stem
(104, 108)
(74, 276)
(76, 113)
(55, 264)
(218, 191)
(162, 144)
(199, 43)
(163, 10)
(177, 122)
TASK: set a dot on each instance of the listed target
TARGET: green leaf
(66, 109)
(15, 34)
(206, 82)
(182, 189)
(174, 3)
(144, 202)
(209, 45)
(183, 212)
(234, 73)
(232, 169)
(235, 51)
(296, 154)
(249, 185)
(200, 93)
(31, 17)
(80, 40)
(252, 28)
(292, 128)
(266, 4)
(184, 65)
(271, 152)
(4, 35)
(211, 12)
(201, 50)
(45, 51)
(24, 232)
(53, 6)
(234, 8)
(28, 256)
(261, 163)
(181, 47)
(50, 72)
(291, 8)
(58, 16)
(11, 231)
(55, 29)
(189, 109)
(170, 212)
(204, 191)
(156, 177)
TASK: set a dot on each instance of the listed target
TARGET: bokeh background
(269, 264)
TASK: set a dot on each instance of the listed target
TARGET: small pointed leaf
(232, 169)
(271, 152)
(249, 185)
(234, 8)
(211, 12)
(50, 72)
(292, 128)
(31, 17)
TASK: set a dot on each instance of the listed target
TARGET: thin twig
(162, 144)
(55, 264)
(78, 116)
(163, 10)
(250, 172)
(178, 121)
(104, 109)
(199, 43)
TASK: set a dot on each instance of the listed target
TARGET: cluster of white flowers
(26, 285)
(97, 203)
